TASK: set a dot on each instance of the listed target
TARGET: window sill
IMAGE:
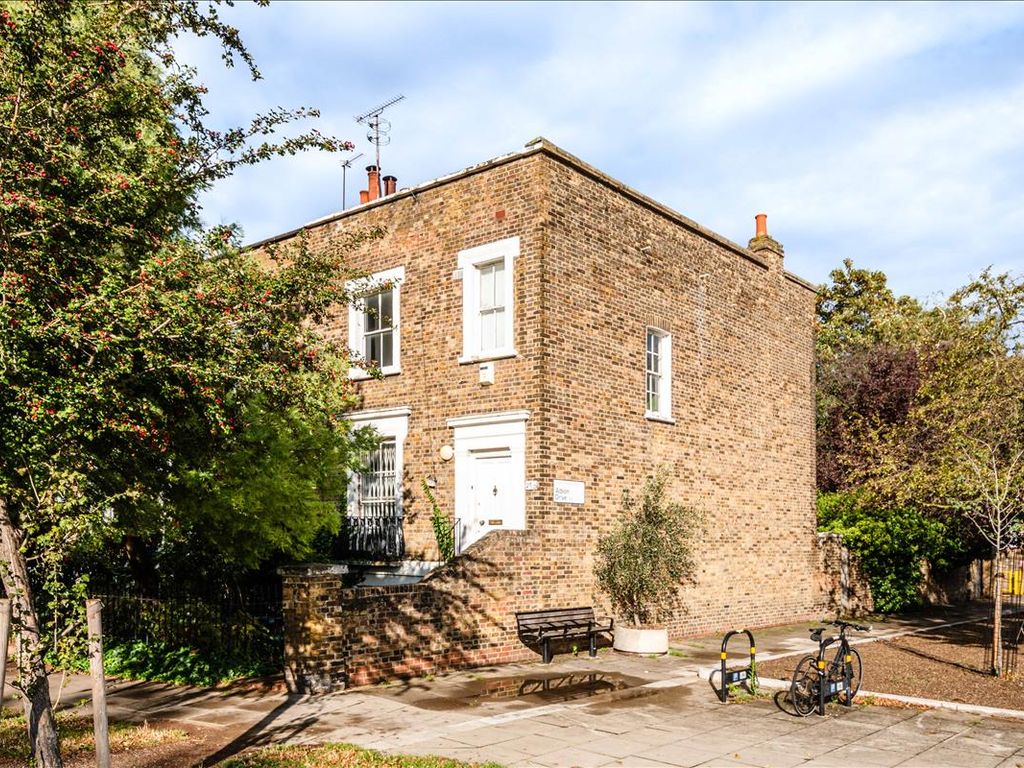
(659, 418)
(498, 354)
(358, 374)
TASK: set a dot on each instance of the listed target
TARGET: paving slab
(765, 757)
(950, 758)
(574, 756)
(679, 754)
(859, 755)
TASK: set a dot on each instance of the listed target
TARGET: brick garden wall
(596, 267)
(461, 616)
(846, 587)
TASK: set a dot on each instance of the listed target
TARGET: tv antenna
(345, 165)
(379, 128)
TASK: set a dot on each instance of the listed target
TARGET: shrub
(642, 562)
(890, 542)
(166, 663)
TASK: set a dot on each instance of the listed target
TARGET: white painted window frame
(386, 422)
(664, 412)
(357, 318)
(470, 261)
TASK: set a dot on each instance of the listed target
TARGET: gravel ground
(948, 664)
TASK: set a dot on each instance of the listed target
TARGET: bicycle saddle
(816, 633)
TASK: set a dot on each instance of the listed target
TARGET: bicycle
(816, 680)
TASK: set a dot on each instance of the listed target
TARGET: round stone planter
(638, 640)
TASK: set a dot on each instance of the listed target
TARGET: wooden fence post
(93, 611)
(5, 630)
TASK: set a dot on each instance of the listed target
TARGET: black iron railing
(376, 536)
(242, 624)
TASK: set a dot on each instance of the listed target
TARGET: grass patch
(76, 736)
(341, 755)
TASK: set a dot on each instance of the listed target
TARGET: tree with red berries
(142, 360)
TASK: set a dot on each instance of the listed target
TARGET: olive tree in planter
(642, 563)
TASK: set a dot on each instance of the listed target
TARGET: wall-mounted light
(446, 453)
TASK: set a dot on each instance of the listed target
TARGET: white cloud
(812, 46)
(854, 125)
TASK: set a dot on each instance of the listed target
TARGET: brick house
(549, 338)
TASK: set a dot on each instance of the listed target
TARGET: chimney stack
(373, 173)
(764, 244)
(364, 196)
(390, 184)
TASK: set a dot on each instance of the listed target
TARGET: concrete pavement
(614, 710)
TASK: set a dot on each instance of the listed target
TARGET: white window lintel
(482, 419)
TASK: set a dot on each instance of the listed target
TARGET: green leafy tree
(961, 448)
(866, 366)
(642, 563)
(141, 360)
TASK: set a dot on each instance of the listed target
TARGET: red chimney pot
(373, 174)
(364, 196)
(762, 225)
(390, 183)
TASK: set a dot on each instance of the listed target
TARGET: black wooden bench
(542, 627)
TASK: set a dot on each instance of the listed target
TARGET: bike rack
(830, 689)
(734, 675)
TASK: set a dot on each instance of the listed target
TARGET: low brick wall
(460, 616)
(847, 590)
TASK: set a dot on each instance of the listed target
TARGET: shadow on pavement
(260, 733)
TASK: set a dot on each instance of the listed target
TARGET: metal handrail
(456, 536)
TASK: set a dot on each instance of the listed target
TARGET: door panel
(490, 485)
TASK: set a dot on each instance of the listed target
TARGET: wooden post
(93, 611)
(5, 631)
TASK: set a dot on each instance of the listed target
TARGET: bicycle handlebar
(840, 623)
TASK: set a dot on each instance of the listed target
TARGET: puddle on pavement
(534, 690)
(579, 685)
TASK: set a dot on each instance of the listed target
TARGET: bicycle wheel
(803, 692)
(856, 675)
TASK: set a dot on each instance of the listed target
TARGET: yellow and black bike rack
(829, 688)
(739, 674)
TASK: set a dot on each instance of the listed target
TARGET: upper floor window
(373, 322)
(487, 300)
(379, 329)
(492, 305)
(659, 375)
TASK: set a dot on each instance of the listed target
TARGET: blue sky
(892, 134)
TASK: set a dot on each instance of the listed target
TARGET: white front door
(490, 474)
(489, 489)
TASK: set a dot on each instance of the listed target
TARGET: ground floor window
(373, 515)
